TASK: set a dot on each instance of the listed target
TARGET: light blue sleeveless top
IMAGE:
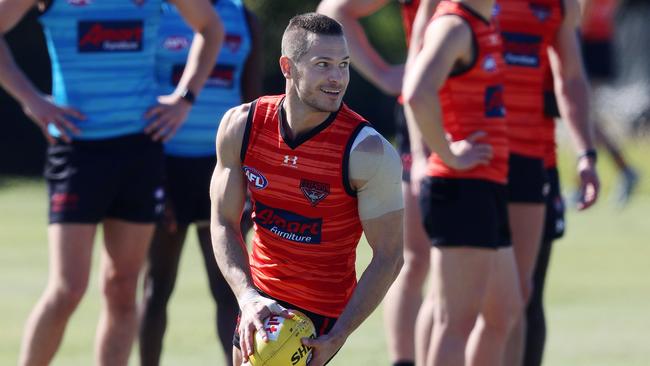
(221, 92)
(103, 59)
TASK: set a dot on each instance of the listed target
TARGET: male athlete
(405, 296)
(453, 99)
(319, 175)
(531, 30)
(102, 166)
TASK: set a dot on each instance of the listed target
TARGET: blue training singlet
(221, 91)
(103, 54)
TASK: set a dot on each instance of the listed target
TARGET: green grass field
(598, 293)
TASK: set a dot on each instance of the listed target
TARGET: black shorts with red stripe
(323, 324)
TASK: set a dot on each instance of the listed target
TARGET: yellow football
(284, 347)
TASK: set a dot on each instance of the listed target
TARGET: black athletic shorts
(598, 57)
(554, 224)
(120, 177)
(323, 324)
(465, 212)
(187, 182)
(527, 181)
(403, 142)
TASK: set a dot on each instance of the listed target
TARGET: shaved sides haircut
(299, 35)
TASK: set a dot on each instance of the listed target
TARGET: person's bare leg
(160, 278)
(125, 250)
(227, 307)
(503, 304)
(458, 287)
(526, 226)
(423, 329)
(403, 299)
(70, 252)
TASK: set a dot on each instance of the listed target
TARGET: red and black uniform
(528, 28)
(469, 207)
(306, 223)
(597, 31)
(409, 10)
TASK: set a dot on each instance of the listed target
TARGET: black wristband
(589, 153)
(188, 96)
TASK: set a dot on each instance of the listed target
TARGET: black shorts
(323, 324)
(465, 212)
(598, 58)
(403, 142)
(554, 224)
(112, 178)
(527, 181)
(187, 181)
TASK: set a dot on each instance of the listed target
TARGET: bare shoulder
(12, 11)
(449, 26)
(231, 132)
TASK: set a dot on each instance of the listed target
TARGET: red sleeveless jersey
(306, 220)
(409, 10)
(472, 99)
(598, 20)
(527, 27)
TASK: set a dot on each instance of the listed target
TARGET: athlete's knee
(119, 291)
(458, 326)
(64, 298)
(505, 316)
(158, 289)
(415, 269)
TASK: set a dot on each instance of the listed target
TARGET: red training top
(528, 28)
(472, 98)
(306, 220)
(598, 20)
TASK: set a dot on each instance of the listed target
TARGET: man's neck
(482, 7)
(299, 117)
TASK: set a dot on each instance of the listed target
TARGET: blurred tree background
(22, 147)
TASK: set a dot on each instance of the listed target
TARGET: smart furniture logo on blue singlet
(110, 36)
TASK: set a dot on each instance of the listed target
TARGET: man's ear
(286, 66)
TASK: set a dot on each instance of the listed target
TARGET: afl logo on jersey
(489, 63)
(176, 43)
(255, 178)
(79, 2)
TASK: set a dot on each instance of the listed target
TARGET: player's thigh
(459, 281)
(416, 242)
(503, 300)
(125, 247)
(70, 255)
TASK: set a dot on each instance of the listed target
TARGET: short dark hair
(299, 34)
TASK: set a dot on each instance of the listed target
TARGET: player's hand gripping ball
(284, 347)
